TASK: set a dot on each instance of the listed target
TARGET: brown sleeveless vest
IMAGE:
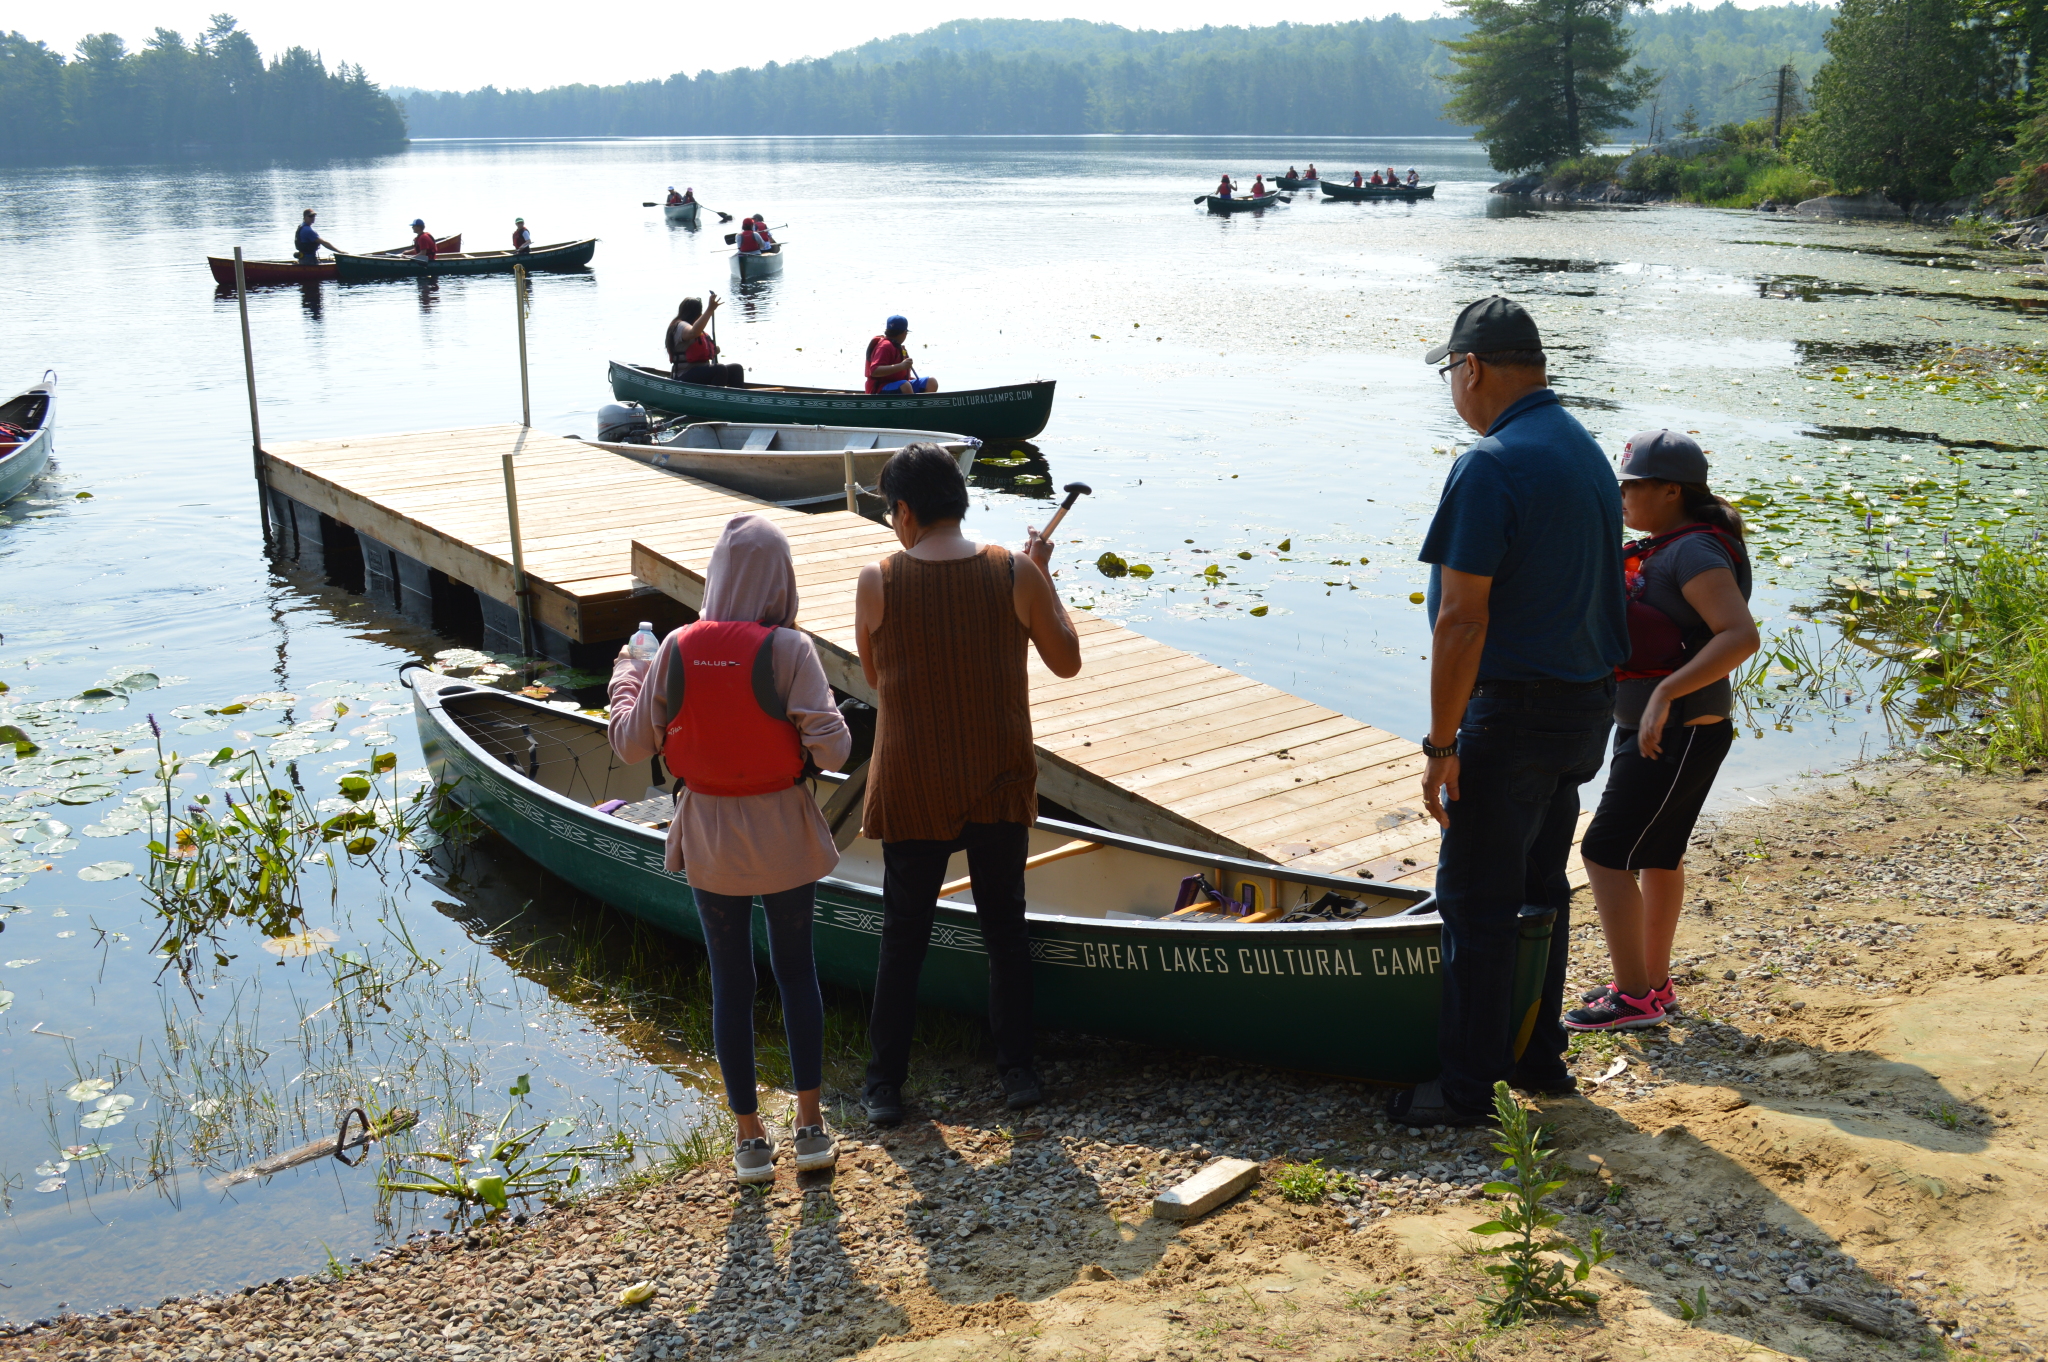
(953, 733)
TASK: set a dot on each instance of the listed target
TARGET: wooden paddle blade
(723, 217)
(650, 205)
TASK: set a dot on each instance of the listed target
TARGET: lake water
(1224, 384)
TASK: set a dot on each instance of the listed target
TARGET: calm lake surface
(1224, 385)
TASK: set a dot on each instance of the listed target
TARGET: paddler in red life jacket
(1291, 175)
(755, 715)
(1413, 178)
(673, 197)
(1375, 178)
(1259, 186)
(692, 354)
(423, 241)
(1311, 171)
(889, 364)
(761, 230)
(1393, 177)
(1223, 188)
(522, 240)
(1358, 179)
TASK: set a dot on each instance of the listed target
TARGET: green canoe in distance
(1378, 191)
(1221, 205)
(1356, 999)
(1017, 412)
(563, 255)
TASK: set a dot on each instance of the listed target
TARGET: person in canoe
(757, 714)
(522, 240)
(692, 354)
(1375, 178)
(423, 247)
(1413, 178)
(1223, 188)
(1358, 179)
(674, 198)
(307, 241)
(1393, 176)
(889, 366)
(761, 230)
(1291, 175)
(1311, 172)
(1258, 186)
(753, 237)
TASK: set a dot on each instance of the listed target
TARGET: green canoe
(1353, 998)
(1013, 413)
(563, 255)
(1219, 205)
(1378, 191)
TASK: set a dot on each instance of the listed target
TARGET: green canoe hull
(572, 255)
(1356, 999)
(1217, 205)
(1014, 413)
(1378, 191)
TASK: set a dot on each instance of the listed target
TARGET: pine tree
(1910, 87)
(1543, 79)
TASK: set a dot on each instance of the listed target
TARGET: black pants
(713, 375)
(911, 875)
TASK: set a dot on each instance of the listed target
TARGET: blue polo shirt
(1533, 505)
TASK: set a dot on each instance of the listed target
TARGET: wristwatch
(1431, 750)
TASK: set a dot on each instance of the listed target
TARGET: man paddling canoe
(308, 241)
(889, 368)
(423, 245)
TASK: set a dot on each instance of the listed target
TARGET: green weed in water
(508, 1166)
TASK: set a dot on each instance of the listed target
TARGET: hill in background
(1372, 77)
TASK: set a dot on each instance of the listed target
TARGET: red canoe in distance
(292, 272)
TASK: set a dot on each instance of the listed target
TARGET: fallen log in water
(334, 1147)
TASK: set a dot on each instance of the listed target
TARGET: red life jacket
(730, 734)
(1657, 645)
(749, 242)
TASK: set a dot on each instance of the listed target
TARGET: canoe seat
(760, 439)
(861, 440)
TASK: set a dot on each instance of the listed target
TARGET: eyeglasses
(1444, 371)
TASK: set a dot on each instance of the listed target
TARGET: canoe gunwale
(565, 255)
(23, 464)
(1420, 914)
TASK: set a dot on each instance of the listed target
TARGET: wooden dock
(1147, 740)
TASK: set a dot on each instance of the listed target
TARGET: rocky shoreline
(1783, 1147)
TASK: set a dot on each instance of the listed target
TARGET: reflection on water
(1226, 384)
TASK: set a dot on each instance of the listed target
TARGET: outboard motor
(624, 423)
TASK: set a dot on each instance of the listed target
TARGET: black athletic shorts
(1648, 809)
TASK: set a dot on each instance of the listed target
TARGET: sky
(521, 44)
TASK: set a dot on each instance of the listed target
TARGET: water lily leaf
(100, 1120)
(135, 681)
(361, 846)
(1141, 569)
(98, 700)
(79, 1152)
(115, 1101)
(89, 1089)
(325, 689)
(106, 870)
(50, 1185)
(86, 794)
(6, 999)
(50, 1168)
(1258, 610)
(489, 1189)
(310, 942)
(56, 846)
(205, 725)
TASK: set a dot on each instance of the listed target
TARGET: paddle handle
(1059, 515)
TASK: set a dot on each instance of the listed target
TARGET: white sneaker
(814, 1149)
(754, 1161)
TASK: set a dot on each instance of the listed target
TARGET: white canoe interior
(1072, 871)
(789, 465)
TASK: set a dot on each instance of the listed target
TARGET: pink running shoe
(1663, 993)
(1617, 1012)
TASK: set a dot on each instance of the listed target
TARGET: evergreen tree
(1544, 79)
(1910, 90)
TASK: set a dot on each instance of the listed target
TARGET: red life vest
(1657, 645)
(730, 735)
(701, 350)
(749, 242)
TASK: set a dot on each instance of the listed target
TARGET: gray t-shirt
(1664, 579)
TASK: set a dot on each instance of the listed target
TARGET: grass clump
(1305, 1183)
(1582, 172)
(1528, 1280)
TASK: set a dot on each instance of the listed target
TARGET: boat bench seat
(648, 813)
(761, 439)
(862, 439)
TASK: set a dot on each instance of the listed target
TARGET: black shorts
(1648, 809)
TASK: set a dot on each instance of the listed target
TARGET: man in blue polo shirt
(1529, 620)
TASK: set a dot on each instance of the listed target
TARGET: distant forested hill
(214, 96)
(1370, 77)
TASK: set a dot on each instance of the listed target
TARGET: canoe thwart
(1059, 853)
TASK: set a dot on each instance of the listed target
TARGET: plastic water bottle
(643, 645)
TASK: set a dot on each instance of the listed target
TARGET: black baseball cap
(1492, 323)
(1666, 455)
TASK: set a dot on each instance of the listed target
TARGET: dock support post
(519, 585)
(852, 488)
(255, 423)
(525, 403)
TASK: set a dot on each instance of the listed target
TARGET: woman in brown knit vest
(942, 628)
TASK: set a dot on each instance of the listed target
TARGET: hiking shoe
(1021, 1089)
(1617, 1012)
(1663, 993)
(884, 1103)
(754, 1161)
(1425, 1105)
(814, 1149)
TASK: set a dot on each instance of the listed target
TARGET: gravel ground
(1734, 1150)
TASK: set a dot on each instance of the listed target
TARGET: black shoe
(1020, 1089)
(1558, 1084)
(1425, 1105)
(884, 1103)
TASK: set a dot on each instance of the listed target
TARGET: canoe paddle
(722, 217)
(1075, 491)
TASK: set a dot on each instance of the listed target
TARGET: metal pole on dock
(519, 587)
(525, 402)
(255, 423)
(852, 488)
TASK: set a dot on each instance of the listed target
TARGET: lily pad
(6, 999)
(50, 1185)
(211, 724)
(56, 846)
(326, 689)
(310, 942)
(89, 1089)
(115, 1101)
(100, 1120)
(50, 1168)
(86, 794)
(135, 681)
(23, 964)
(78, 1152)
(106, 870)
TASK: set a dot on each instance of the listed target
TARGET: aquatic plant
(507, 1167)
(1528, 1278)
